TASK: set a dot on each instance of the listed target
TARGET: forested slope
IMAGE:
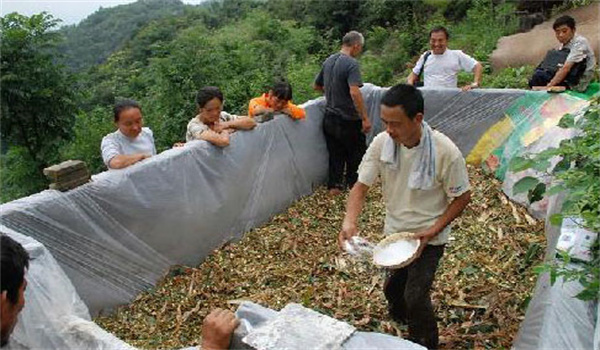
(103, 32)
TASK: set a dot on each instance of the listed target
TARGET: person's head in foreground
(402, 111)
(209, 101)
(438, 40)
(128, 118)
(353, 43)
(564, 29)
(15, 262)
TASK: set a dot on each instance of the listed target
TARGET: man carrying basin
(425, 187)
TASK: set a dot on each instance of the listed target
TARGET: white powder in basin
(396, 253)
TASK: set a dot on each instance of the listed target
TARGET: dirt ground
(531, 47)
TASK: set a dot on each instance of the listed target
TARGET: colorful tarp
(525, 122)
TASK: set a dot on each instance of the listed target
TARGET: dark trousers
(346, 145)
(407, 292)
(542, 77)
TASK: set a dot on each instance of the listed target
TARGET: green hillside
(105, 31)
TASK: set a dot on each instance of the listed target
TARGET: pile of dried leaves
(481, 292)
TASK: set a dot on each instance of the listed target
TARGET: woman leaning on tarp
(132, 142)
(212, 124)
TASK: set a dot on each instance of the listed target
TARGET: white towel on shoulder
(422, 174)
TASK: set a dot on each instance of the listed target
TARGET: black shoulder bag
(420, 83)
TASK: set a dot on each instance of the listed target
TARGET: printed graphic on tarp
(526, 121)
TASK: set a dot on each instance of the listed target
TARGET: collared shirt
(580, 50)
(117, 143)
(196, 127)
(410, 209)
(263, 101)
(442, 70)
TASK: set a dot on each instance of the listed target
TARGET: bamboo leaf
(525, 184)
(567, 121)
(537, 193)
(556, 219)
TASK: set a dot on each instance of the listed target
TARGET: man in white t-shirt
(440, 65)
(425, 187)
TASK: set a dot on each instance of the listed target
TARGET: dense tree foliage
(37, 101)
(106, 30)
(161, 52)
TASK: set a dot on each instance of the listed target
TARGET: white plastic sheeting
(298, 327)
(255, 316)
(462, 116)
(555, 319)
(54, 317)
(117, 235)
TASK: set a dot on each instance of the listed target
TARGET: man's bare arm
(412, 78)
(123, 161)
(360, 107)
(452, 212)
(217, 329)
(356, 199)
(562, 73)
(477, 74)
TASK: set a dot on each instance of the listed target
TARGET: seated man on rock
(571, 66)
(217, 327)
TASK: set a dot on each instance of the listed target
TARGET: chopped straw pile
(482, 286)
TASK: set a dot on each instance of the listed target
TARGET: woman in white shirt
(132, 142)
(212, 124)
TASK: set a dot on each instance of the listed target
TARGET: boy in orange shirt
(277, 100)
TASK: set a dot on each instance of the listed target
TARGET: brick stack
(67, 175)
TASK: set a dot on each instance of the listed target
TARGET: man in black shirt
(346, 119)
